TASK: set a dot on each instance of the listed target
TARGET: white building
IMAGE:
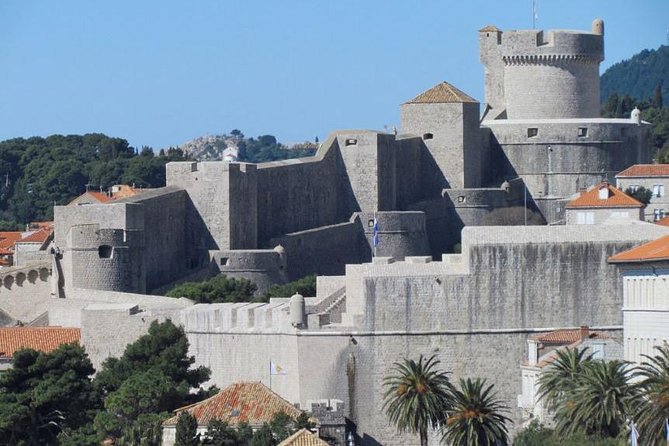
(645, 276)
(542, 351)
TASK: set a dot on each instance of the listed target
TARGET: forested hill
(37, 172)
(639, 76)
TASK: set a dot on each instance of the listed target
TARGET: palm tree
(417, 395)
(558, 378)
(600, 400)
(653, 408)
(476, 417)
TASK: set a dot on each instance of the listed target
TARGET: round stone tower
(553, 74)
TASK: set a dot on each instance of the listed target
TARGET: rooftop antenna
(535, 15)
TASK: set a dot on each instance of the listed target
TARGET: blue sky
(160, 72)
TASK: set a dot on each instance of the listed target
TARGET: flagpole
(270, 373)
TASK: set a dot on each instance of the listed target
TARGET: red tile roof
(663, 222)
(250, 402)
(616, 199)
(645, 170)
(100, 197)
(568, 336)
(303, 438)
(36, 236)
(44, 339)
(654, 251)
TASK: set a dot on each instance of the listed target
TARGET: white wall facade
(645, 309)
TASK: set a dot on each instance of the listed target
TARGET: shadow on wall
(433, 179)
(199, 240)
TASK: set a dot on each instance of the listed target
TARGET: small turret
(598, 27)
(298, 316)
(635, 116)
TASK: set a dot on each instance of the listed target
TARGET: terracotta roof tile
(568, 336)
(100, 197)
(663, 222)
(36, 236)
(645, 170)
(616, 199)
(443, 92)
(44, 339)
(303, 438)
(654, 251)
(250, 402)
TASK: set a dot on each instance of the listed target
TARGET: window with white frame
(585, 218)
(658, 190)
(658, 214)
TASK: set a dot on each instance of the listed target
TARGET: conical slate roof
(442, 93)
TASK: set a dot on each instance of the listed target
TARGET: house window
(598, 351)
(620, 214)
(351, 142)
(105, 251)
(370, 223)
(604, 193)
(462, 199)
(634, 187)
(582, 132)
(428, 136)
(532, 131)
(658, 214)
(224, 261)
(658, 190)
(585, 218)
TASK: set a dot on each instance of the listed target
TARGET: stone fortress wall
(277, 221)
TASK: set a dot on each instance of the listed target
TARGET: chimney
(585, 332)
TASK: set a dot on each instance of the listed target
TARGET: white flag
(276, 369)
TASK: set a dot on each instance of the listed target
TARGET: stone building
(603, 204)
(431, 187)
(653, 177)
(645, 284)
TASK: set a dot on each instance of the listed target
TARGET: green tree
(46, 393)
(186, 430)
(216, 290)
(220, 434)
(476, 417)
(641, 194)
(282, 426)
(244, 434)
(263, 437)
(416, 396)
(153, 376)
(653, 406)
(306, 286)
(599, 401)
(558, 378)
(538, 435)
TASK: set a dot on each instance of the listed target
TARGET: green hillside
(638, 76)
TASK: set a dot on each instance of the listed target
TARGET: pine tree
(186, 434)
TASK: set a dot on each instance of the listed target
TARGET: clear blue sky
(161, 72)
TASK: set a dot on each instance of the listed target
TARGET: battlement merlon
(537, 45)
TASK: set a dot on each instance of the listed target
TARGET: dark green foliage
(244, 434)
(417, 396)
(216, 290)
(186, 430)
(263, 437)
(641, 194)
(302, 422)
(10, 226)
(538, 435)
(306, 286)
(638, 76)
(266, 148)
(153, 376)
(282, 426)
(476, 417)
(37, 172)
(220, 434)
(46, 393)
(653, 408)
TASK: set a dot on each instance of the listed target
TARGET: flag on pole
(276, 369)
(375, 238)
(634, 435)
